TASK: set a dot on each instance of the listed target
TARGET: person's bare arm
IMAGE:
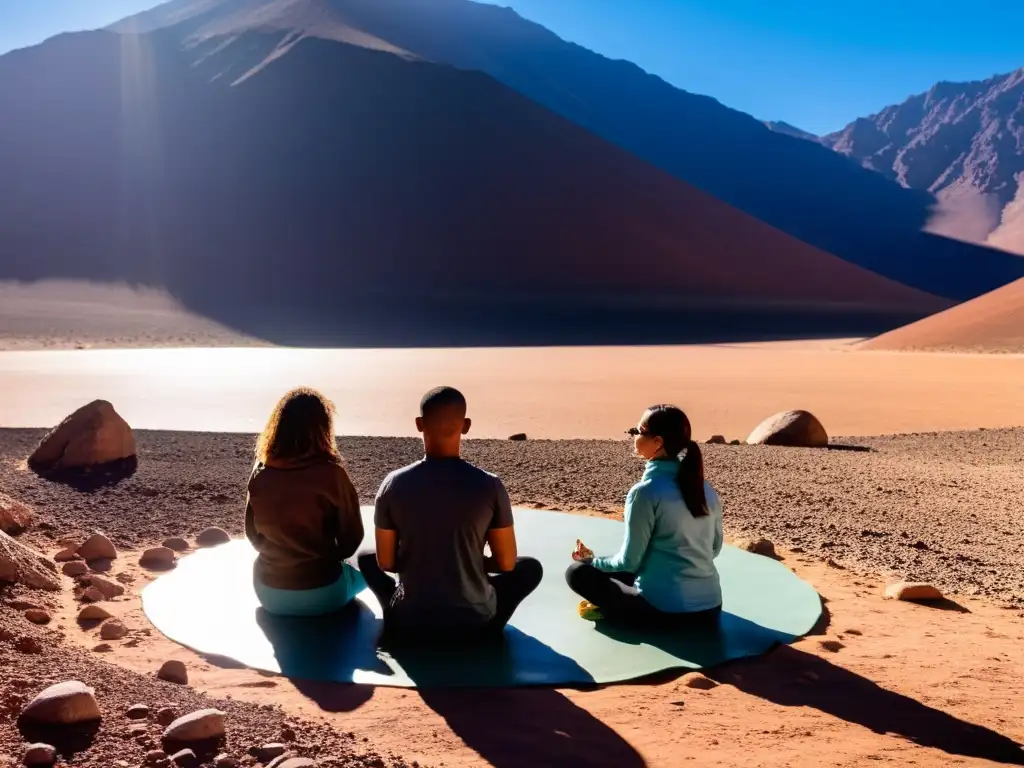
(387, 549)
(502, 542)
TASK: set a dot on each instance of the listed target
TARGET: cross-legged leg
(382, 585)
(613, 593)
(513, 587)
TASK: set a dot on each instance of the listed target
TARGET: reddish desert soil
(993, 323)
(878, 681)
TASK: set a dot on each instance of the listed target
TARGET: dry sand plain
(545, 392)
(876, 682)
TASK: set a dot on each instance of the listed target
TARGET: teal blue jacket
(671, 552)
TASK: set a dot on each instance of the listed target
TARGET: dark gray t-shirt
(442, 510)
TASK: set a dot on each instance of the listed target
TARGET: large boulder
(20, 564)
(65, 703)
(94, 434)
(794, 429)
(15, 517)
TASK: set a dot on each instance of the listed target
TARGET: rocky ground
(944, 508)
(33, 658)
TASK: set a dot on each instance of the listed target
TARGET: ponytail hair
(691, 480)
(673, 427)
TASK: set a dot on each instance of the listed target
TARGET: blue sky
(815, 64)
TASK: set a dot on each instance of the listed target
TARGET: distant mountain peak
(787, 129)
(963, 143)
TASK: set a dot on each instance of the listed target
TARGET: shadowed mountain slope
(294, 187)
(795, 185)
(963, 142)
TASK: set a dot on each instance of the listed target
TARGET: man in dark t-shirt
(432, 520)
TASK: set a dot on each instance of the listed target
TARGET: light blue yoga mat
(207, 603)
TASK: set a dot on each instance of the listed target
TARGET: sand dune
(993, 323)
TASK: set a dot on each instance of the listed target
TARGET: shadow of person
(315, 653)
(472, 689)
(790, 677)
(734, 638)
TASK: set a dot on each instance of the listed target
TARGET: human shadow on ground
(790, 677)
(515, 726)
(316, 651)
(734, 638)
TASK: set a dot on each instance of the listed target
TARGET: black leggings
(511, 588)
(620, 601)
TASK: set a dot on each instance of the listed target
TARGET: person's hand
(582, 554)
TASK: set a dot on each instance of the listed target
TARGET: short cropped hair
(442, 398)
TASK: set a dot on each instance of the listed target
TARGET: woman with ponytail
(664, 573)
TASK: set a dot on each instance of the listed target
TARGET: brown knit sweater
(303, 519)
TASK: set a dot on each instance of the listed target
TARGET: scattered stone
(292, 762)
(74, 568)
(37, 616)
(757, 546)
(102, 565)
(125, 578)
(20, 564)
(15, 517)
(66, 703)
(113, 630)
(186, 758)
(93, 613)
(40, 755)
(109, 589)
(67, 554)
(176, 544)
(155, 756)
(173, 671)
(158, 558)
(28, 644)
(197, 726)
(832, 646)
(226, 761)
(735, 442)
(268, 752)
(912, 591)
(288, 733)
(21, 605)
(518, 437)
(795, 429)
(102, 648)
(92, 595)
(166, 715)
(699, 682)
(94, 434)
(717, 440)
(137, 712)
(213, 537)
(97, 547)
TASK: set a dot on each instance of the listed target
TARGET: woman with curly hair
(302, 512)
